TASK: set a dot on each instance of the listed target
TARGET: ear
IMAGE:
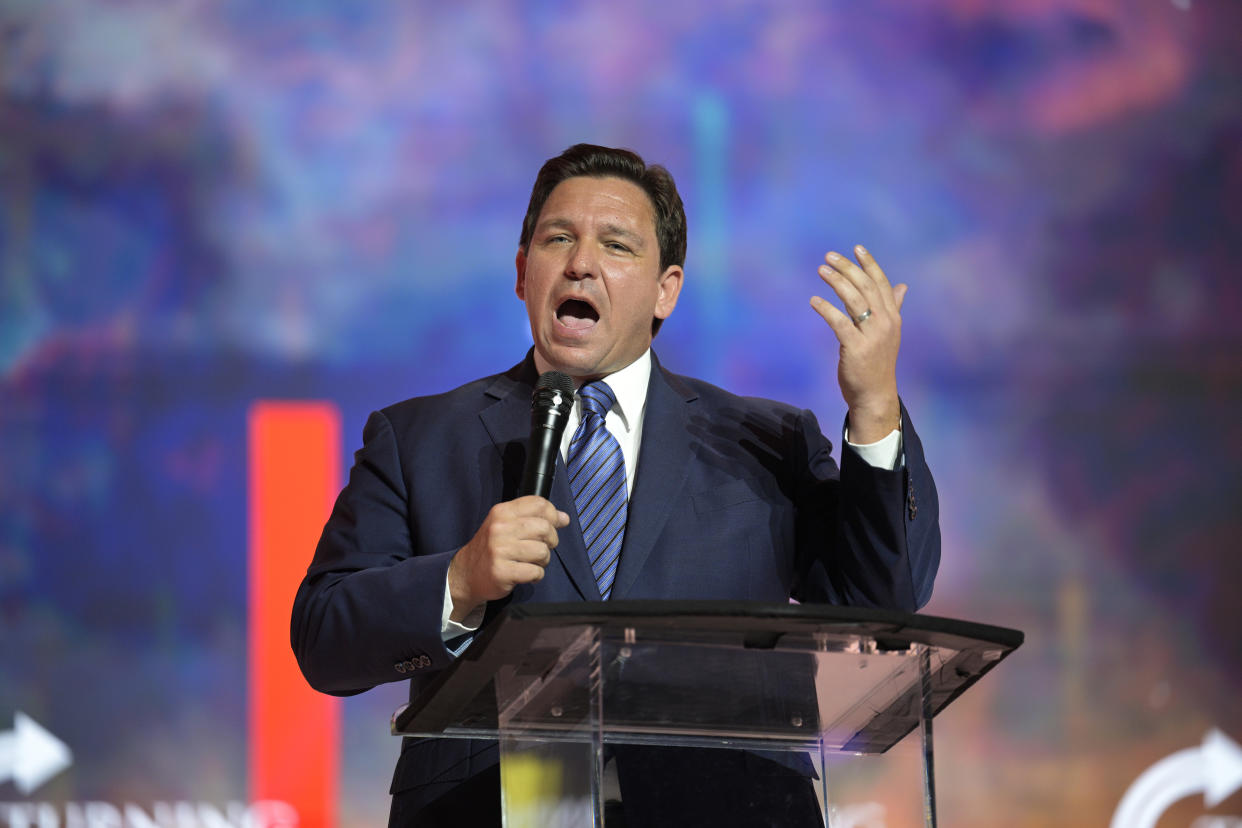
(520, 263)
(669, 290)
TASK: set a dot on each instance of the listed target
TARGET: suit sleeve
(369, 609)
(867, 537)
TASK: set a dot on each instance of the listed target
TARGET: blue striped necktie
(597, 480)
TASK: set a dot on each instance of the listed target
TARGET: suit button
(424, 661)
(400, 665)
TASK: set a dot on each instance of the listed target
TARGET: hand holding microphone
(517, 537)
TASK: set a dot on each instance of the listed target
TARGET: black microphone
(549, 412)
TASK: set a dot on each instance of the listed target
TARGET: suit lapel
(507, 421)
(571, 550)
(663, 463)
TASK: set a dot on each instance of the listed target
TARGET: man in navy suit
(710, 495)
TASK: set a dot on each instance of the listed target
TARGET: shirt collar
(629, 386)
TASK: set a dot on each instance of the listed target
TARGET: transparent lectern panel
(549, 784)
(694, 673)
(877, 790)
(705, 691)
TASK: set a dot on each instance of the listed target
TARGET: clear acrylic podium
(556, 684)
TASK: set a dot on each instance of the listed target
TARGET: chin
(568, 360)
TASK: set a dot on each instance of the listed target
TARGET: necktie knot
(597, 398)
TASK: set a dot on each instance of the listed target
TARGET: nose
(581, 263)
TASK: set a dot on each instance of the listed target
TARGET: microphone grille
(556, 381)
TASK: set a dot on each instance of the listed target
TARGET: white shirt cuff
(882, 454)
(450, 629)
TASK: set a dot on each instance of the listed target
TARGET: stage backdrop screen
(230, 230)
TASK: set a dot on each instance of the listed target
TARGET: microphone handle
(547, 424)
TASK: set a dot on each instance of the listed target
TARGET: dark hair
(604, 162)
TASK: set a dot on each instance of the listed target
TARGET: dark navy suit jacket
(735, 498)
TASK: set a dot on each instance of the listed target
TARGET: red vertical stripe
(294, 455)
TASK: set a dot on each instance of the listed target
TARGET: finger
(551, 514)
(529, 505)
(860, 280)
(899, 294)
(536, 529)
(518, 572)
(855, 303)
(841, 325)
(535, 506)
(872, 268)
(555, 516)
(539, 553)
(868, 278)
(549, 537)
(529, 551)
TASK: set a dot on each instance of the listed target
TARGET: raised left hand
(870, 336)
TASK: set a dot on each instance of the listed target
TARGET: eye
(618, 246)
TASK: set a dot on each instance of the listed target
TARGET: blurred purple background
(205, 204)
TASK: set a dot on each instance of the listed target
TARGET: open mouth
(576, 314)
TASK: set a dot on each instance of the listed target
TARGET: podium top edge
(622, 613)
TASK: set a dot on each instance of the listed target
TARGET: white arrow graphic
(1214, 768)
(29, 755)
